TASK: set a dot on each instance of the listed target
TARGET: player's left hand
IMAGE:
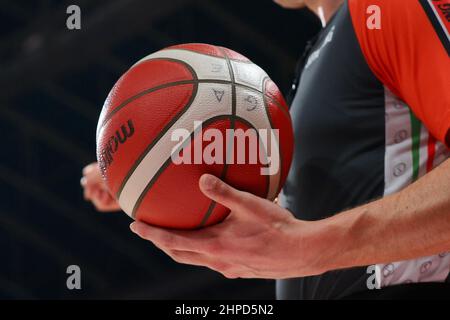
(259, 239)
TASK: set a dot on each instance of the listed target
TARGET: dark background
(53, 82)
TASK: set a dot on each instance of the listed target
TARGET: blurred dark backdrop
(53, 82)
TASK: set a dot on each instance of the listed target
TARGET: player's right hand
(95, 189)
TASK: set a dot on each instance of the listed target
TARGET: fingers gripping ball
(184, 111)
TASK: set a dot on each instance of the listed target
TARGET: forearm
(412, 223)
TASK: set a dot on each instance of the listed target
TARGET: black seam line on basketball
(211, 55)
(266, 109)
(157, 138)
(267, 182)
(142, 93)
(168, 161)
(232, 126)
(277, 104)
(195, 82)
(166, 85)
(245, 121)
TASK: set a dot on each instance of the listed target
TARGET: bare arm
(262, 240)
(412, 223)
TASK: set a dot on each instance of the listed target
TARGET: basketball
(184, 111)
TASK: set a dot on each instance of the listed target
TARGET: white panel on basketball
(250, 106)
(249, 74)
(442, 154)
(207, 104)
(206, 67)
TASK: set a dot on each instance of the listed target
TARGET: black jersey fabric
(338, 120)
(355, 141)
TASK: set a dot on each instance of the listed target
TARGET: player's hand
(94, 189)
(259, 239)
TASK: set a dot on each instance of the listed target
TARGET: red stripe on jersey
(431, 152)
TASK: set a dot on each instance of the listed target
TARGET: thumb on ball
(221, 192)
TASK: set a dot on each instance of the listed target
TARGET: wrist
(349, 235)
(320, 245)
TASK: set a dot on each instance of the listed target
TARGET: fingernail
(133, 227)
(209, 182)
(83, 181)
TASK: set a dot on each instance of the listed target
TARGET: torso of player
(355, 141)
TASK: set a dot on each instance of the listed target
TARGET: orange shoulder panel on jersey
(406, 44)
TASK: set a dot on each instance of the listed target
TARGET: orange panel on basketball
(200, 48)
(174, 199)
(247, 176)
(211, 50)
(149, 115)
(137, 80)
(271, 90)
(161, 96)
(233, 55)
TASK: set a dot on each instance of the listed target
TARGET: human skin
(259, 239)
